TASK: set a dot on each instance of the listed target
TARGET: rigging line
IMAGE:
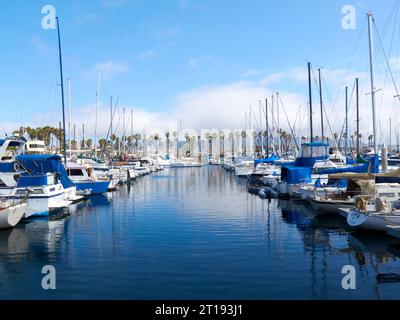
(386, 59)
(352, 56)
(334, 109)
(396, 6)
(269, 127)
(287, 119)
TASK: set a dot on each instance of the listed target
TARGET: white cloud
(224, 106)
(107, 70)
(112, 3)
(148, 54)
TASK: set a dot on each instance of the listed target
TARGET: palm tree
(137, 137)
(167, 135)
(244, 142)
(20, 132)
(89, 143)
(157, 138)
(222, 137)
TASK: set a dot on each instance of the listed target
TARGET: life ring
(17, 167)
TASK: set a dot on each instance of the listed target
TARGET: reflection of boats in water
(296, 212)
(13, 242)
(98, 201)
(40, 232)
(377, 252)
(383, 248)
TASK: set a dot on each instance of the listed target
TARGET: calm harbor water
(194, 234)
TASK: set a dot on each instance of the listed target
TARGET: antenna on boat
(266, 124)
(310, 96)
(373, 90)
(321, 105)
(358, 117)
(346, 141)
(62, 90)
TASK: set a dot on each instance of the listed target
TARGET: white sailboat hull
(372, 221)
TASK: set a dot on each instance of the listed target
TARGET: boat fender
(380, 205)
(360, 203)
(262, 194)
(274, 194)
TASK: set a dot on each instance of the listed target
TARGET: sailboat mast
(266, 125)
(278, 124)
(310, 97)
(321, 105)
(358, 117)
(97, 110)
(371, 61)
(347, 124)
(69, 116)
(62, 90)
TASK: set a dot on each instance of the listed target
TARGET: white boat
(376, 215)
(373, 220)
(341, 202)
(244, 168)
(85, 181)
(43, 192)
(11, 214)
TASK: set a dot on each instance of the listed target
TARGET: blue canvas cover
(371, 167)
(269, 160)
(295, 175)
(42, 164)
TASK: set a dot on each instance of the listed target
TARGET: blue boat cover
(295, 175)
(269, 160)
(37, 164)
(371, 167)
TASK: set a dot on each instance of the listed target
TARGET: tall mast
(347, 124)
(97, 110)
(261, 135)
(266, 125)
(321, 105)
(371, 61)
(310, 97)
(390, 134)
(358, 117)
(83, 136)
(123, 131)
(131, 151)
(62, 89)
(111, 116)
(69, 116)
(278, 124)
(273, 121)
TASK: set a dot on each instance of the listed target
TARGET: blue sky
(156, 55)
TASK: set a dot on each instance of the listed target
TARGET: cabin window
(75, 172)
(387, 195)
(38, 191)
(2, 184)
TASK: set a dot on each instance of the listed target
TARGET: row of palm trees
(132, 144)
